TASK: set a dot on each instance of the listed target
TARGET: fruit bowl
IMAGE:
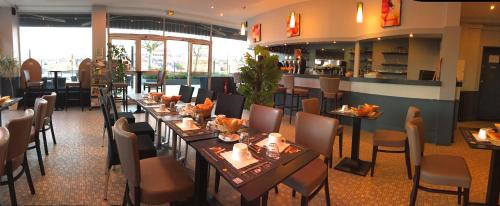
(228, 125)
(167, 100)
(204, 109)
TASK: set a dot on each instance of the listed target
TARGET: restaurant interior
(255, 102)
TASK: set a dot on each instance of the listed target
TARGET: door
(489, 86)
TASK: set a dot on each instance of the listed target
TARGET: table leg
(200, 180)
(158, 126)
(493, 190)
(174, 144)
(353, 164)
(138, 82)
(56, 87)
(1, 118)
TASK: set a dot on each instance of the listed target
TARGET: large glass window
(200, 59)
(56, 48)
(152, 55)
(227, 55)
(129, 46)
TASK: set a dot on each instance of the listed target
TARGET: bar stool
(330, 91)
(280, 90)
(295, 92)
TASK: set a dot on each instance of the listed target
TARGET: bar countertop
(374, 80)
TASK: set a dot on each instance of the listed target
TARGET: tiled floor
(75, 171)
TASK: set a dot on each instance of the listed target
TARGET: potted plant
(259, 78)
(117, 57)
(9, 69)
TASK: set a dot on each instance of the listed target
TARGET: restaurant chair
(262, 119)
(294, 92)
(139, 128)
(32, 78)
(74, 91)
(160, 79)
(38, 121)
(317, 133)
(312, 106)
(128, 115)
(146, 147)
(13, 143)
(152, 181)
(437, 169)
(330, 91)
(394, 139)
(202, 95)
(230, 105)
(186, 93)
(118, 87)
(48, 123)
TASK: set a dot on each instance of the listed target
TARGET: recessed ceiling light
(492, 7)
(334, 42)
(379, 38)
(322, 49)
(343, 49)
(212, 6)
(307, 43)
(170, 12)
(221, 14)
(284, 44)
(411, 35)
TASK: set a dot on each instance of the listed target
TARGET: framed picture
(94, 91)
(256, 31)
(295, 31)
(391, 13)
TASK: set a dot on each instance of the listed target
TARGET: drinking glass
(244, 138)
(273, 151)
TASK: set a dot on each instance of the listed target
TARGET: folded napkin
(281, 145)
(240, 164)
(186, 127)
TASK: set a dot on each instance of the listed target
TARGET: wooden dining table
(7, 104)
(493, 188)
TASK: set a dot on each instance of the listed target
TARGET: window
(152, 55)
(228, 55)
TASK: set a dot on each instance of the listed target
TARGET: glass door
(199, 64)
(152, 55)
(177, 63)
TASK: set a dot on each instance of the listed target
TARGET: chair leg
(26, 169)
(374, 159)
(106, 182)
(459, 195)
(304, 200)
(185, 155)
(52, 131)
(294, 193)
(327, 192)
(330, 160)
(44, 136)
(10, 182)
(341, 140)
(39, 154)
(125, 196)
(407, 159)
(264, 198)
(414, 191)
(217, 181)
(466, 196)
(276, 189)
(291, 109)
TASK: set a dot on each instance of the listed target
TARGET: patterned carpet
(75, 171)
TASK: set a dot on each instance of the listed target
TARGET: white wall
(327, 20)
(388, 45)
(8, 33)
(99, 31)
(423, 54)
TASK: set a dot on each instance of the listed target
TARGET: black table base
(357, 167)
(493, 190)
(138, 110)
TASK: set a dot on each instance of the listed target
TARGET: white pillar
(356, 59)
(9, 44)
(99, 32)
(450, 49)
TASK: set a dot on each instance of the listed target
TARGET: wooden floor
(75, 170)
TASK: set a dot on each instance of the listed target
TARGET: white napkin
(281, 145)
(240, 164)
(186, 127)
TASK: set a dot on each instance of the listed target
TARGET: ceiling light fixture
(411, 35)
(334, 42)
(492, 7)
(243, 28)
(379, 38)
(359, 13)
(170, 12)
(292, 20)
(212, 6)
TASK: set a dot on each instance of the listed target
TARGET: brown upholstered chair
(156, 180)
(14, 155)
(262, 119)
(443, 170)
(160, 79)
(48, 123)
(294, 92)
(312, 106)
(330, 91)
(75, 91)
(394, 139)
(31, 78)
(280, 90)
(38, 121)
(317, 133)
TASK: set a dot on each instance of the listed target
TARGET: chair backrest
(230, 105)
(4, 146)
(265, 119)
(129, 155)
(26, 74)
(316, 132)
(288, 81)
(160, 78)
(415, 132)
(51, 104)
(237, 77)
(329, 85)
(40, 112)
(84, 79)
(111, 102)
(203, 94)
(34, 70)
(19, 129)
(186, 93)
(311, 106)
(413, 112)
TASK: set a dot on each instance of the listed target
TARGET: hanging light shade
(359, 13)
(292, 20)
(243, 28)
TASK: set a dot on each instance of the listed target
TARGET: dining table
(7, 104)
(353, 164)
(493, 188)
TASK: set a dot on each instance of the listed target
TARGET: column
(356, 59)
(99, 32)
(9, 44)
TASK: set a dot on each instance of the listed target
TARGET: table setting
(364, 110)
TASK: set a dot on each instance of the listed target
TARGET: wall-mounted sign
(391, 13)
(256, 30)
(293, 29)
